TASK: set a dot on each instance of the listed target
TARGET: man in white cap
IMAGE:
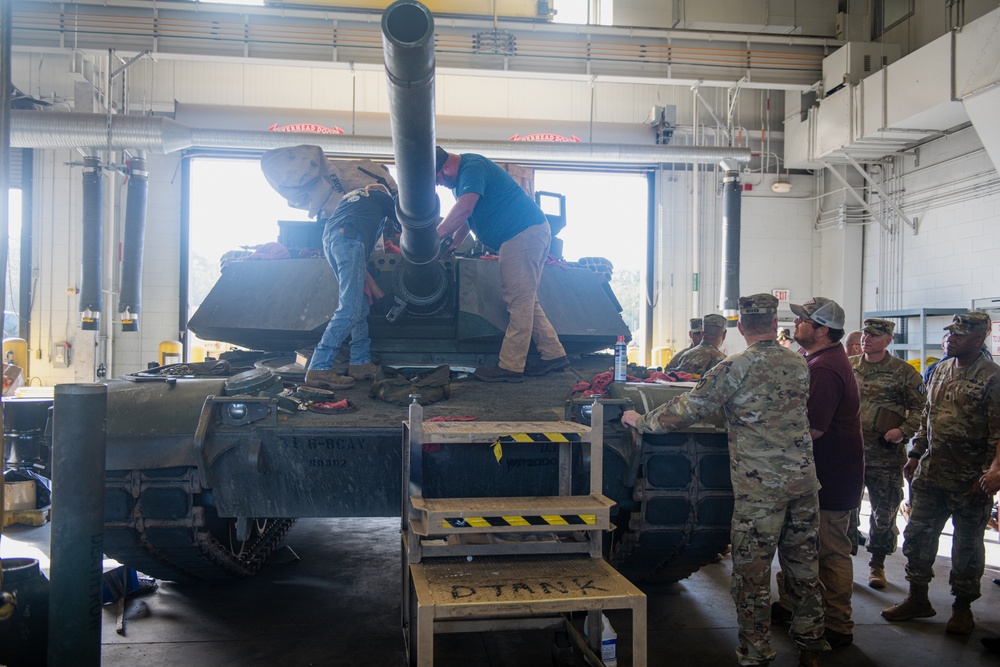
(835, 426)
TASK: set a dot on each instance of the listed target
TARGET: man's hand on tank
(893, 435)
(630, 418)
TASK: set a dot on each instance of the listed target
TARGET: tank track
(682, 508)
(162, 523)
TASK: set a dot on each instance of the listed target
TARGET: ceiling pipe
(57, 130)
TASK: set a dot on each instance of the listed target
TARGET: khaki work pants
(522, 259)
(836, 571)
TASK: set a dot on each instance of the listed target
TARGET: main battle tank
(207, 468)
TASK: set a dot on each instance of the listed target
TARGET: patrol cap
(758, 304)
(971, 322)
(440, 157)
(714, 321)
(876, 327)
(822, 311)
(696, 325)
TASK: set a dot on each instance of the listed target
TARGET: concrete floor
(339, 605)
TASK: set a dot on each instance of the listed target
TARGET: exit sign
(781, 294)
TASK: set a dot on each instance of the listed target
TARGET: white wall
(776, 247)
(954, 193)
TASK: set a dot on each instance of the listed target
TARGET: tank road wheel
(680, 511)
(162, 523)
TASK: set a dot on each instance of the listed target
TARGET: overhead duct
(130, 295)
(730, 290)
(160, 135)
(91, 296)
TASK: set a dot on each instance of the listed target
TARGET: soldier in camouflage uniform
(957, 440)
(892, 398)
(763, 391)
(698, 360)
(695, 334)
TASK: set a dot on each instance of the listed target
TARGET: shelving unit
(921, 345)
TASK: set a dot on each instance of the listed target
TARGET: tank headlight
(237, 411)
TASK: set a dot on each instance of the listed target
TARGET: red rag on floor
(331, 405)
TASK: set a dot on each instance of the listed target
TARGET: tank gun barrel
(408, 45)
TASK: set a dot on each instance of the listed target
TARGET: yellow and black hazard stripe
(531, 437)
(505, 521)
(540, 437)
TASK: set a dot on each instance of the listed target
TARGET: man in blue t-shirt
(490, 203)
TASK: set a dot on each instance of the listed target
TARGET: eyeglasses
(805, 320)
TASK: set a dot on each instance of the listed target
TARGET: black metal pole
(730, 290)
(27, 232)
(185, 258)
(650, 300)
(79, 436)
(6, 15)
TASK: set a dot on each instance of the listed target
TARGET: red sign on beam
(544, 136)
(306, 127)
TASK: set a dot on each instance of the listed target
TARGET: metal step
(489, 432)
(444, 516)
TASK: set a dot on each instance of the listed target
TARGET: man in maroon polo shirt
(834, 408)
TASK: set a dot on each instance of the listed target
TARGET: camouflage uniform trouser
(885, 493)
(930, 509)
(791, 527)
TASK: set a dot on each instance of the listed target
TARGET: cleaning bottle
(609, 642)
(621, 359)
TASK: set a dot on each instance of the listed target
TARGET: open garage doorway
(606, 216)
(232, 208)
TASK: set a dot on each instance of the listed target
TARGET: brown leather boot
(363, 371)
(328, 380)
(915, 605)
(961, 621)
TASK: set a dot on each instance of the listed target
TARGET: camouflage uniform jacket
(763, 390)
(960, 424)
(891, 389)
(699, 360)
(676, 359)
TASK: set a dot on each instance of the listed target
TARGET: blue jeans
(347, 257)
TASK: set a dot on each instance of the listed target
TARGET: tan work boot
(328, 380)
(876, 576)
(915, 605)
(363, 371)
(961, 621)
